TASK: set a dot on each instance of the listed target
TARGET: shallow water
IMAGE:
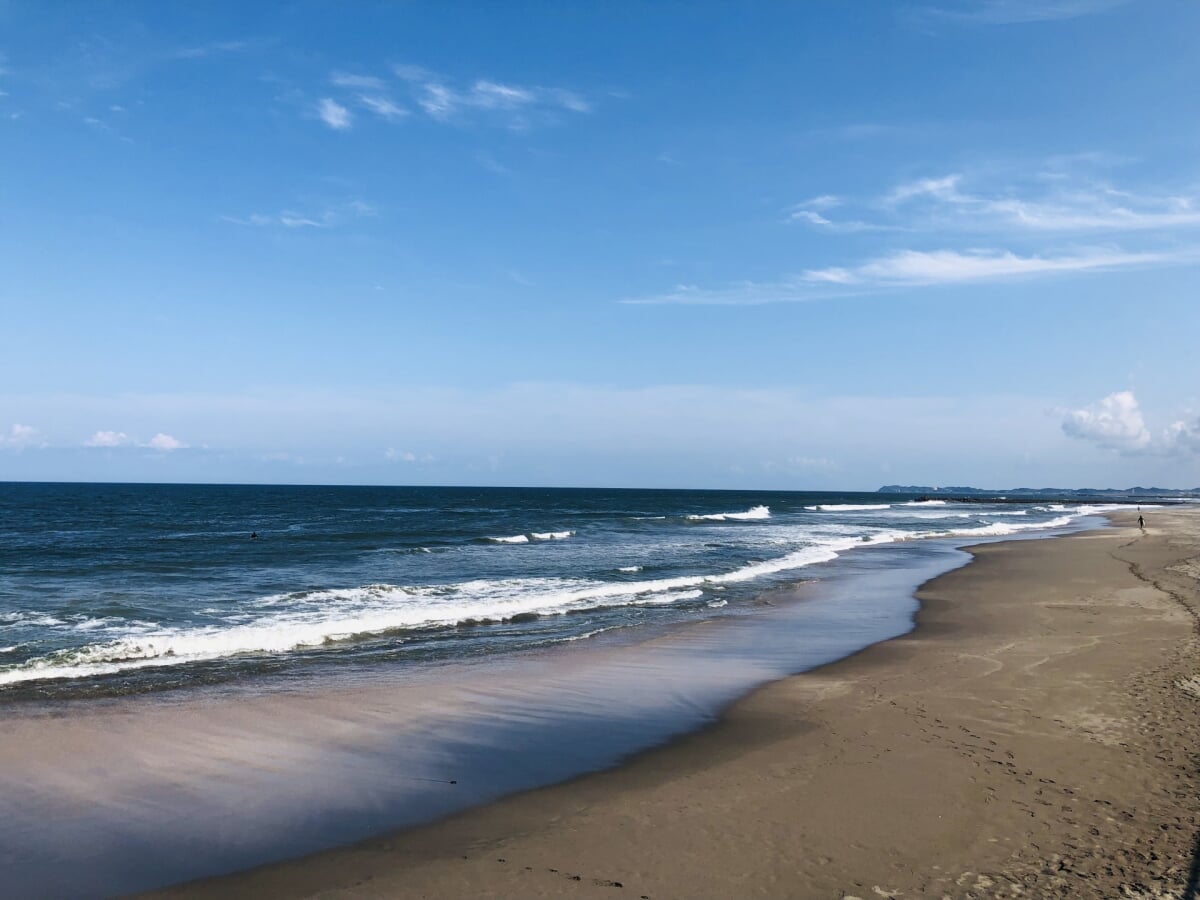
(108, 796)
(115, 589)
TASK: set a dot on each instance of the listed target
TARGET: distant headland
(1118, 495)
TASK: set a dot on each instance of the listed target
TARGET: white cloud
(916, 267)
(1183, 436)
(334, 114)
(1016, 12)
(382, 106)
(211, 49)
(407, 456)
(359, 82)
(808, 215)
(329, 217)
(165, 442)
(1115, 423)
(19, 436)
(945, 189)
(107, 439)
(1053, 199)
(746, 293)
(412, 73)
(444, 101)
(492, 95)
(1098, 212)
(910, 268)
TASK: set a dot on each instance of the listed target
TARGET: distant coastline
(1109, 495)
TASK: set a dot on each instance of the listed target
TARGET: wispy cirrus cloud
(1014, 12)
(212, 48)
(904, 269)
(815, 211)
(1053, 199)
(516, 105)
(444, 99)
(326, 217)
(918, 267)
(382, 106)
(358, 82)
(1041, 222)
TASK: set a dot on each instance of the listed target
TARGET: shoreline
(89, 793)
(878, 773)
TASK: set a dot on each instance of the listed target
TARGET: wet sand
(1034, 736)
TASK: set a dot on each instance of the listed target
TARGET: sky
(815, 245)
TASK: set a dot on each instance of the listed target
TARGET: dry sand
(1035, 736)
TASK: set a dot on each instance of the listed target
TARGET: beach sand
(1036, 735)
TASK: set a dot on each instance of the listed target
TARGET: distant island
(956, 492)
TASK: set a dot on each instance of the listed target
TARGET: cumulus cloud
(165, 442)
(1115, 423)
(333, 114)
(107, 439)
(19, 436)
(1183, 436)
(407, 456)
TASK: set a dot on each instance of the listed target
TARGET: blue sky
(817, 245)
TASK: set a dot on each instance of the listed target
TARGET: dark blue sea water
(113, 589)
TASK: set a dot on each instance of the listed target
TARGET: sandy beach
(1034, 736)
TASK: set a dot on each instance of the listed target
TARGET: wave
(755, 512)
(316, 619)
(999, 529)
(630, 569)
(23, 618)
(532, 536)
(848, 507)
(924, 503)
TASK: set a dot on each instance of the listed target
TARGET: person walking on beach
(1141, 523)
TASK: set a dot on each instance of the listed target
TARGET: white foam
(755, 512)
(668, 598)
(311, 619)
(717, 604)
(630, 569)
(924, 503)
(23, 618)
(551, 535)
(848, 507)
(513, 539)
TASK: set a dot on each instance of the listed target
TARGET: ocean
(121, 589)
(201, 679)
